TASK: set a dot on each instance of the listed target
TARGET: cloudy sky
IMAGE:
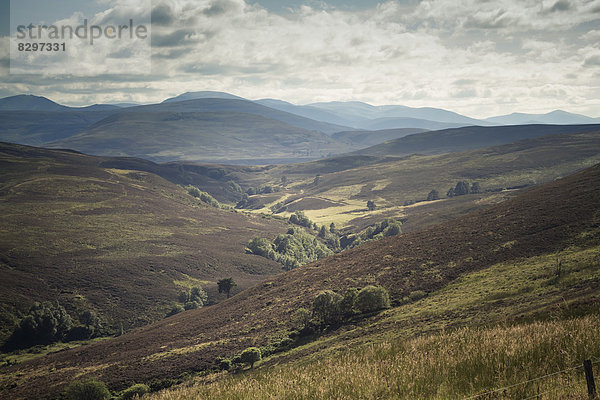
(479, 58)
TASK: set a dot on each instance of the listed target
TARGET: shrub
(138, 389)
(417, 295)
(177, 308)
(88, 390)
(224, 364)
(250, 356)
(301, 319)
(298, 218)
(348, 303)
(326, 307)
(372, 298)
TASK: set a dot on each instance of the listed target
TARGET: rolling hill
(121, 242)
(226, 104)
(558, 117)
(199, 136)
(467, 138)
(372, 138)
(465, 267)
(362, 115)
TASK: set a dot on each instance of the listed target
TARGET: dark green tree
(326, 308)
(332, 228)
(225, 285)
(348, 303)
(461, 188)
(250, 356)
(371, 205)
(44, 324)
(475, 188)
(433, 195)
(372, 298)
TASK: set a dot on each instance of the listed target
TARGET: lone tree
(250, 356)
(225, 285)
(371, 205)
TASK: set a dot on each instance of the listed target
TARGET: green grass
(492, 328)
(457, 364)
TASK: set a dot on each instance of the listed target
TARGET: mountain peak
(206, 94)
(29, 102)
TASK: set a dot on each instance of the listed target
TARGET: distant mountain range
(216, 126)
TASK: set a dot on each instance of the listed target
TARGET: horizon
(304, 104)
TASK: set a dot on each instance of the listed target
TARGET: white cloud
(512, 55)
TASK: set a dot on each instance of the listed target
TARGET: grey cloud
(560, 5)
(592, 61)
(162, 15)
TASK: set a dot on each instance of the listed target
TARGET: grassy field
(490, 329)
(456, 364)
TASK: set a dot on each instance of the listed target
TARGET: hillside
(364, 116)
(467, 267)
(121, 242)
(233, 105)
(37, 128)
(199, 136)
(554, 117)
(371, 138)
(467, 138)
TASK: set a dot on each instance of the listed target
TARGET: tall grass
(441, 366)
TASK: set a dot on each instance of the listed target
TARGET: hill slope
(121, 242)
(537, 223)
(372, 138)
(205, 136)
(206, 105)
(467, 138)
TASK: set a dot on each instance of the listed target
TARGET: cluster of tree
(203, 196)
(292, 249)
(387, 227)
(299, 218)
(462, 188)
(266, 189)
(189, 299)
(48, 323)
(332, 309)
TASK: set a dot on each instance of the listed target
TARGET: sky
(475, 57)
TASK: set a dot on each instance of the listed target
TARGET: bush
(348, 303)
(250, 356)
(88, 390)
(138, 389)
(298, 218)
(301, 319)
(417, 295)
(372, 298)
(224, 364)
(177, 308)
(326, 307)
